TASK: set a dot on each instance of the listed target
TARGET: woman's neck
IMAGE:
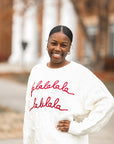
(57, 65)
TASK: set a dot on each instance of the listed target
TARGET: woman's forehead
(59, 36)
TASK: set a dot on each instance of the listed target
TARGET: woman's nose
(58, 48)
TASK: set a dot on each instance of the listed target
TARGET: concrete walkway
(12, 141)
(12, 94)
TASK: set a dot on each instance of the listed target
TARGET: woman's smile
(58, 47)
(56, 55)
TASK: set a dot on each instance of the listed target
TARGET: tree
(103, 31)
(101, 9)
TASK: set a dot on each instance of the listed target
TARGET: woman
(65, 101)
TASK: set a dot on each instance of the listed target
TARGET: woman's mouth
(55, 55)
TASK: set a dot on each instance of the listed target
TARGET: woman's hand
(63, 125)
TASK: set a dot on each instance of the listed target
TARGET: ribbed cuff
(74, 128)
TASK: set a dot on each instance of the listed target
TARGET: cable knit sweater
(69, 93)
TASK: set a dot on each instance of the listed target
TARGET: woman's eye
(63, 45)
(53, 43)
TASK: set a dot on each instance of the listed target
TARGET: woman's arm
(97, 118)
(99, 103)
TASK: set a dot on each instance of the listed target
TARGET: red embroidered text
(47, 85)
(48, 103)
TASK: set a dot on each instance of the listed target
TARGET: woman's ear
(47, 45)
(69, 49)
(69, 53)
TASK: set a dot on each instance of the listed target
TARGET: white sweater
(68, 93)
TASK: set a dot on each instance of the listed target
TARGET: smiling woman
(59, 43)
(65, 101)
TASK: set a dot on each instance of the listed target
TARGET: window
(111, 40)
(92, 30)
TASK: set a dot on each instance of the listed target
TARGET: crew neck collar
(63, 67)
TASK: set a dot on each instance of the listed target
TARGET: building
(26, 25)
(5, 29)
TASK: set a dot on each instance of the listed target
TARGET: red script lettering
(47, 85)
(48, 103)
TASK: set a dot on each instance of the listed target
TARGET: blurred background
(24, 29)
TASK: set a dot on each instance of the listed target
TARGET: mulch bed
(11, 123)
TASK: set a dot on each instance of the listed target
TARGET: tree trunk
(100, 50)
(81, 22)
(103, 32)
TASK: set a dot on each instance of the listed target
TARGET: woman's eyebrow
(53, 40)
(65, 42)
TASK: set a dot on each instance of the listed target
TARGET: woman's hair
(64, 29)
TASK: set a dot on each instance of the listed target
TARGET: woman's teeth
(57, 55)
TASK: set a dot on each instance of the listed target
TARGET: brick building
(5, 29)
(61, 12)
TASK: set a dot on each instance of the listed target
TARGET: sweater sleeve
(28, 125)
(98, 102)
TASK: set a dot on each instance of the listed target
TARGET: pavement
(12, 95)
(12, 141)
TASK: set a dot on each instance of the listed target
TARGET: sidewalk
(12, 141)
(12, 94)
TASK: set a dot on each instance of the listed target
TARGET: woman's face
(58, 47)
